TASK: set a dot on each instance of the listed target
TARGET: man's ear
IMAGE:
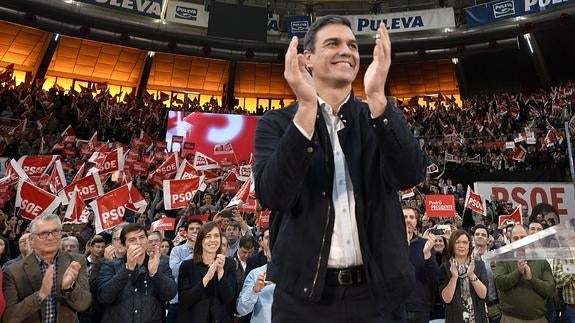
(307, 60)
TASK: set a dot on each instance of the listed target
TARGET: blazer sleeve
(110, 282)
(190, 286)
(17, 310)
(226, 289)
(405, 163)
(79, 298)
(482, 275)
(164, 283)
(283, 155)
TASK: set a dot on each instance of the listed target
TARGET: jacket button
(385, 121)
(305, 290)
(310, 149)
(323, 194)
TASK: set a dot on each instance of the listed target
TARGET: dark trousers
(338, 304)
(172, 316)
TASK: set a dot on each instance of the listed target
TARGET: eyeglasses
(44, 235)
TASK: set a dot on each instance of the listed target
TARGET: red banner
(264, 219)
(243, 194)
(179, 192)
(34, 201)
(437, 206)
(163, 224)
(244, 172)
(57, 180)
(36, 166)
(186, 171)
(203, 162)
(109, 209)
(112, 161)
(76, 213)
(90, 187)
(229, 184)
(515, 216)
(14, 173)
(166, 170)
(223, 149)
(136, 201)
(474, 201)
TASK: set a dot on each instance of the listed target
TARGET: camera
(437, 231)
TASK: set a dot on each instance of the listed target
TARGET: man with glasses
(134, 288)
(49, 285)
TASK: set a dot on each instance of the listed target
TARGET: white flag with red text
(14, 173)
(243, 194)
(203, 162)
(223, 149)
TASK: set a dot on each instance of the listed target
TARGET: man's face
(524, 211)
(244, 253)
(535, 227)
(137, 238)
(224, 245)
(410, 220)
(45, 237)
(153, 241)
(425, 223)
(71, 246)
(24, 244)
(208, 199)
(481, 237)
(517, 233)
(97, 249)
(232, 233)
(192, 233)
(335, 60)
(266, 244)
(551, 218)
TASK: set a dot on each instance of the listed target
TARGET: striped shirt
(564, 274)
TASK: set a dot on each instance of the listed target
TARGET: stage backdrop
(205, 130)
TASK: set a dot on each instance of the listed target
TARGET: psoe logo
(299, 26)
(503, 9)
(186, 13)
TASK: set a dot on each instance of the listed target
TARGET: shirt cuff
(302, 130)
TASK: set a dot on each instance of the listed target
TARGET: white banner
(187, 13)
(560, 195)
(403, 21)
(274, 24)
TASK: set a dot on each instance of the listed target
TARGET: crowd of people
(213, 266)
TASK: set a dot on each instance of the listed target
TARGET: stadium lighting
(56, 37)
(455, 60)
(528, 39)
(151, 53)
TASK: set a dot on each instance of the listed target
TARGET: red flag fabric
(243, 194)
(136, 201)
(93, 142)
(34, 201)
(177, 139)
(42, 122)
(407, 194)
(79, 173)
(229, 184)
(186, 170)
(474, 201)
(109, 209)
(76, 213)
(514, 216)
(99, 154)
(90, 187)
(14, 173)
(264, 219)
(57, 180)
(112, 162)
(519, 153)
(179, 192)
(163, 224)
(166, 170)
(36, 166)
(440, 206)
(223, 149)
(203, 162)
(244, 172)
(146, 140)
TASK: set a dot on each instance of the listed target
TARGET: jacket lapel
(32, 272)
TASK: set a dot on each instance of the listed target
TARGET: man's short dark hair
(131, 227)
(194, 220)
(96, 239)
(309, 39)
(543, 209)
(479, 226)
(247, 242)
(235, 224)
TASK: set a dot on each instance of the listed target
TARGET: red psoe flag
(34, 201)
(76, 213)
(90, 187)
(514, 216)
(109, 209)
(57, 180)
(179, 192)
(203, 162)
(474, 201)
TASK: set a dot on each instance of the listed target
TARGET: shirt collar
(40, 260)
(327, 108)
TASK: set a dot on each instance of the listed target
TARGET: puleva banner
(504, 9)
(148, 8)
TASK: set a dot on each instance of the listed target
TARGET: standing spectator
(135, 287)
(524, 286)
(2, 299)
(24, 248)
(206, 283)
(259, 259)
(326, 166)
(566, 280)
(177, 256)
(47, 280)
(421, 255)
(70, 244)
(463, 282)
(166, 247)
(96, 247)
